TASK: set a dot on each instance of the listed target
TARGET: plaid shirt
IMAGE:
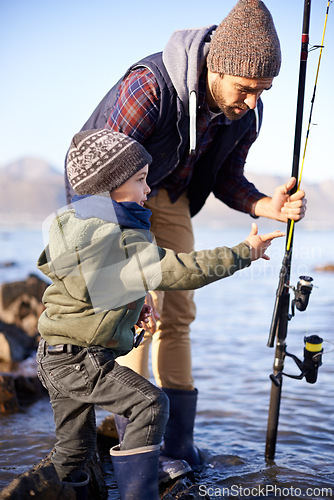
(135, 114)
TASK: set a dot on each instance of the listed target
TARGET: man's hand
(144, 316)
(282, 206)
(149, 315)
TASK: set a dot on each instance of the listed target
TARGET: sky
(58, 59)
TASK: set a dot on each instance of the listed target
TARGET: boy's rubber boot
(136, 472)
(80, 485)
(169, 468)
(179, 433)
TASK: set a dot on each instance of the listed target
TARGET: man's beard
(229, 111)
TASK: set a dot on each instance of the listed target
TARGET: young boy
(102, 262)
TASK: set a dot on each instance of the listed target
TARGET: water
(231, 365)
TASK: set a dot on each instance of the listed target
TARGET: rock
(107, 428)
(28, 389)
(20, 386)
(6, 366)
(328, 268)
(7, 263)
(15, 344)
(41, 483)
(21, 303)
(8, 399)
(20, 307)
(18, 391)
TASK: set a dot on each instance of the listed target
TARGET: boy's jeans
(76, 382)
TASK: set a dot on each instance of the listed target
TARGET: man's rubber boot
(136, 472)
(179, 433)
(169, 468)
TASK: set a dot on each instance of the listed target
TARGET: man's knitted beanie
(101, 160)
(246, 43)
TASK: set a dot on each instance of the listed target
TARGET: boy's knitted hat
(246, 43)
(101, 160)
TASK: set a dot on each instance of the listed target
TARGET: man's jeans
(171, 347)
(76, 382)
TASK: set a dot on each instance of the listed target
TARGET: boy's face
(134, 189)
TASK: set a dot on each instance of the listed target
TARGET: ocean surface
(231, 366)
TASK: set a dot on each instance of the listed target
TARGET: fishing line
(310, 117)
(329, 342)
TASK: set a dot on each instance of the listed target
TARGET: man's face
(235, 95)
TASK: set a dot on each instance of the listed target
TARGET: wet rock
(183, 489)
(42, 483)
(21, 303)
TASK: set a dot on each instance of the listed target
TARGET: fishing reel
(302, 294)
(309, 366)
(313, 344)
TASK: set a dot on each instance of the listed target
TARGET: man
(196, 108)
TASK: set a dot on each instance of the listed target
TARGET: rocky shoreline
(20, 308)
(41, 481)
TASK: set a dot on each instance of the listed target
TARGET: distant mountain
(30, 169)
(320, 205)
(31, 189)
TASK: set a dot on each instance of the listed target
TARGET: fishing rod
(279, 325)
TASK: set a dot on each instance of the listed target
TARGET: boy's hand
(259, 243)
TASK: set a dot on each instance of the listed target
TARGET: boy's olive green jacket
(101, 272)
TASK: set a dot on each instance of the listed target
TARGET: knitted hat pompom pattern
(101, 160)
(246, 43)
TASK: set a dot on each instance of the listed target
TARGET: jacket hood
(184, 57)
